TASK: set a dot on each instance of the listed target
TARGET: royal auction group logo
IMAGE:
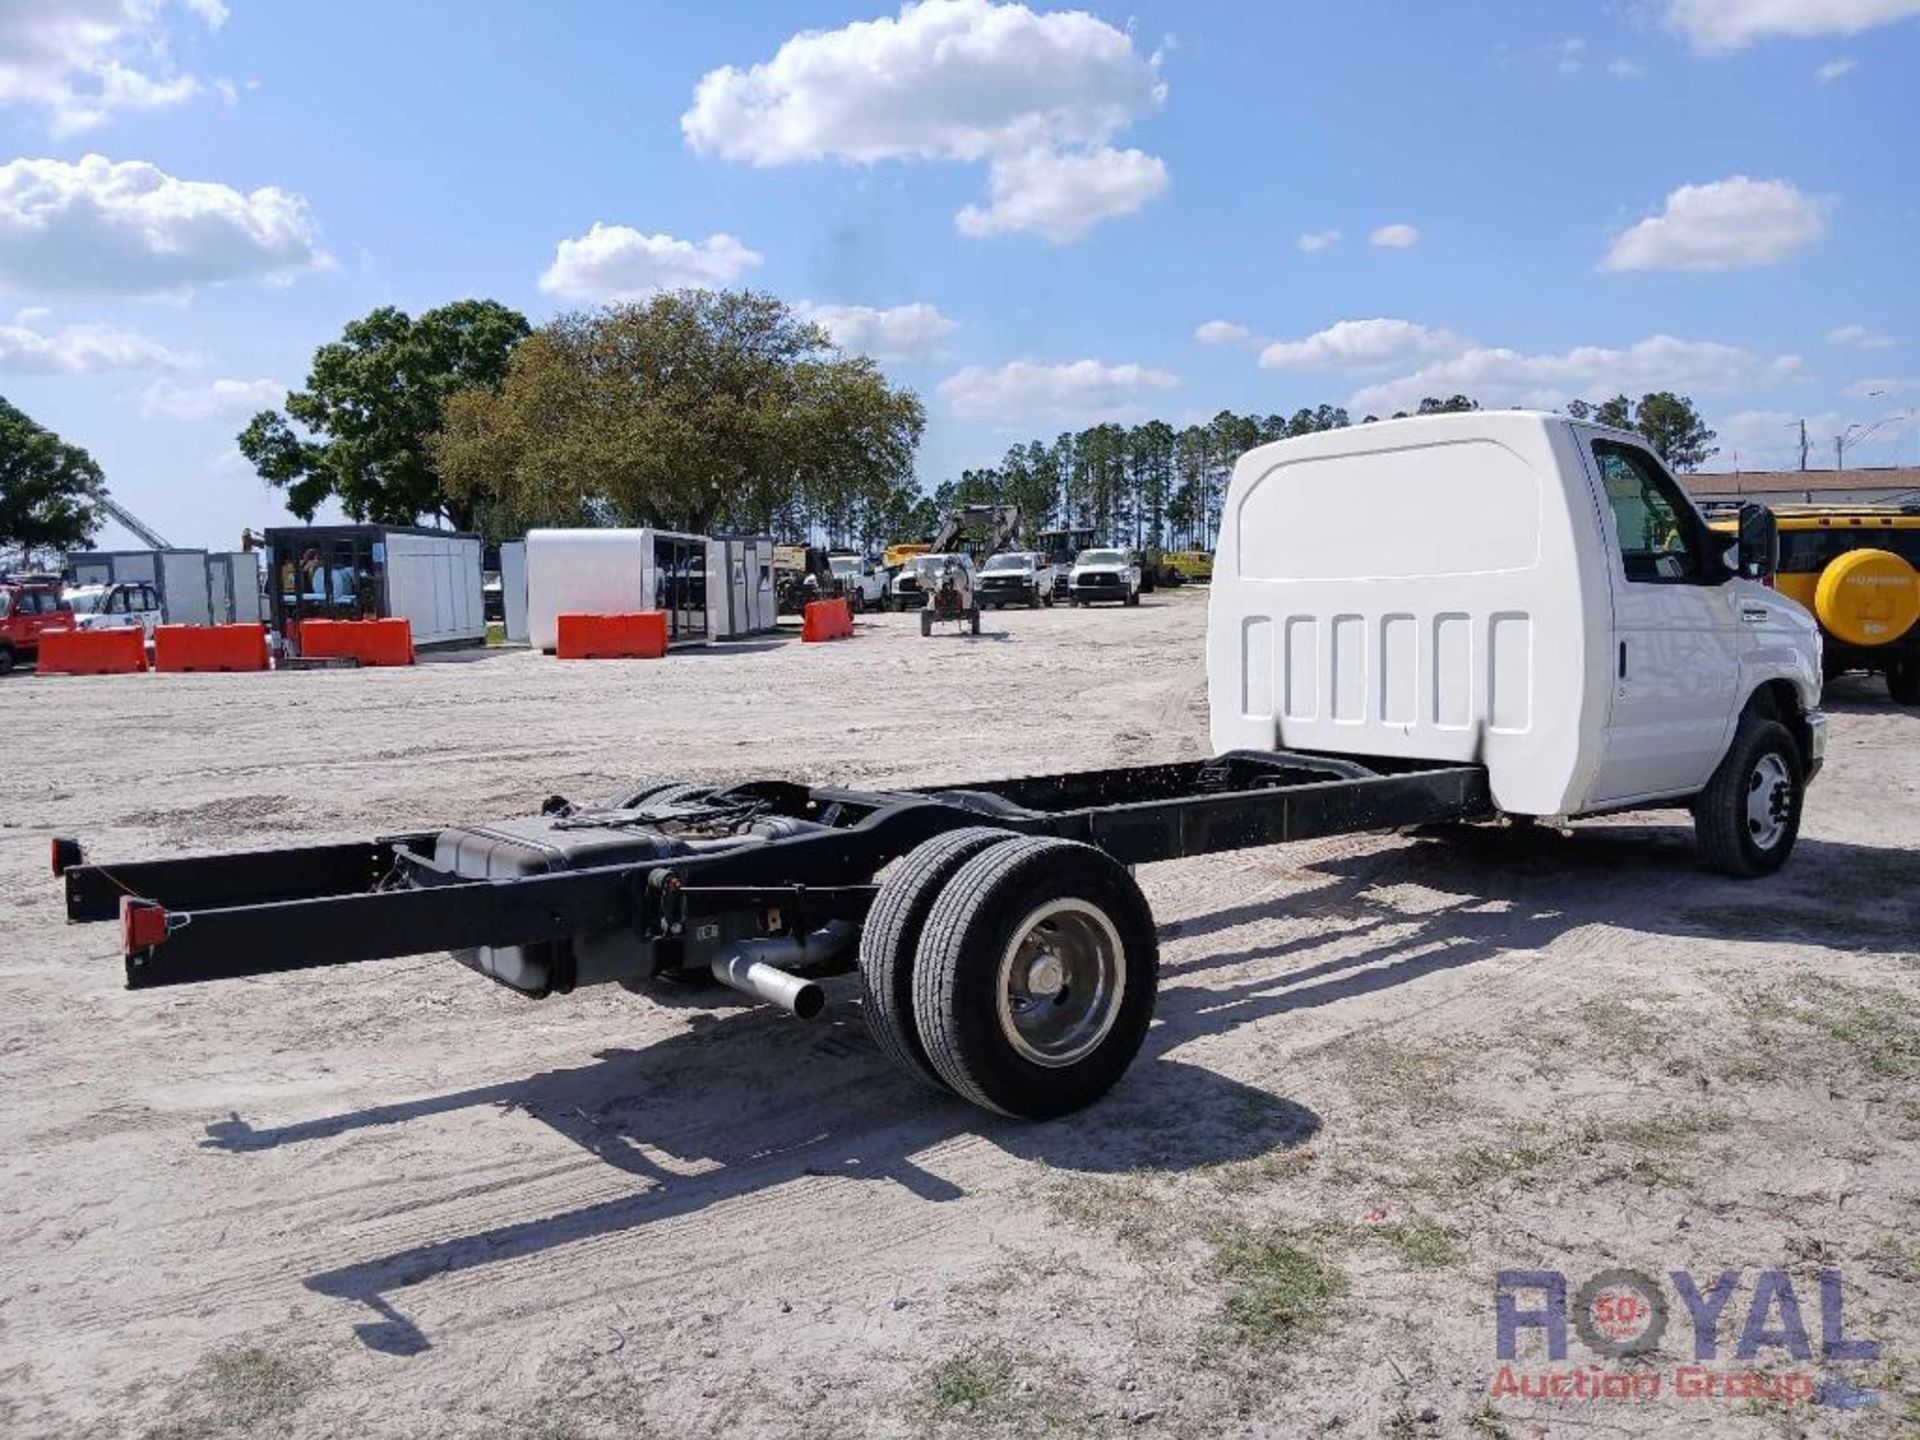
(1622, 1317)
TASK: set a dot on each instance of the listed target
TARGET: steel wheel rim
(1769, 797)
(1060, 983)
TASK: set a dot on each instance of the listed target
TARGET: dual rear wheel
(1017, 972)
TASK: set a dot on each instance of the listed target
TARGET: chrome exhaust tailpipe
(753, 967)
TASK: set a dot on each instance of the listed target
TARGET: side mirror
(1758, 550)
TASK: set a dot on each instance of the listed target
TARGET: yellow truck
(1855, 568)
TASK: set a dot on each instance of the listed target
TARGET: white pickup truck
(865, 585)
(1528, 593)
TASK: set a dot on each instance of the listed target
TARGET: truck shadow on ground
(752, 1101)
(778, 1101)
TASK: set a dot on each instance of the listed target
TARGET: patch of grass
(1489, 1422)
(1277, 1292)
(237, 1392)
(1483, 1164)
(976, 1383)
(1403, 1078)
(1420, 1243)
(1276, 1166)
(1129, 1210)
(1670, 1128)
(980, 1388)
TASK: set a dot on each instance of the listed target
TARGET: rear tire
(1903, 680)
(973, 620)
(926, 622)
(1748, 817)
(890, 940)
(1035, 979)
(6, 659)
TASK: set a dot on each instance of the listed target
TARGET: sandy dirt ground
(395, 1199)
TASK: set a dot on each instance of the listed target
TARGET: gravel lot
(396, 1200)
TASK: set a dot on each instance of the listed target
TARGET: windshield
(1010, 562)
(845, 565)
(85, 599)
(1102, 557)
(930, 564)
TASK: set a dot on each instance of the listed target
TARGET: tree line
(697, 410)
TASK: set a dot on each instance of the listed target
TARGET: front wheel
(6, 659)
(1748, 817)
(1903, 680)
(1133, 597)
(1035, 979)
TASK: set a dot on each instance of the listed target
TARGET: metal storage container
(430, 578)
(616, 572)
(179, 577)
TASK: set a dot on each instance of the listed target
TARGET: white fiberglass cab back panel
(1429, 588)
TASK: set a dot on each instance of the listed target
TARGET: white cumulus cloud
(1079, 392)
(82, 61)
(617, 262)
(1036, 95)
(1860, 337)
(95, 226)
(1314, 241)
(1725, 225)
(79, 350)
(1395, 237)
(1834, 69)
(1221, 332)
(902, 332)
(1718, 25)
(1499, 377)
(1062, 194)
(1361, 345)
(166, 399)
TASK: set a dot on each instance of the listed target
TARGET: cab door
(1677, 631)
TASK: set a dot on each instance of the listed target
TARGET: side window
(1659, 542)
(117, 603)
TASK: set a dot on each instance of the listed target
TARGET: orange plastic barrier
(198, 648)
(371, 642)
(93, 652)
(641, 635)
(826, 620)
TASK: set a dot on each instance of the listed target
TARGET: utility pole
(1803, 443)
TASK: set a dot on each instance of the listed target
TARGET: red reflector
(66, 855)
(143, 924)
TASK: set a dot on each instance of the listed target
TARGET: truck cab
(30, 605)
(125, 605)
(1525, 591)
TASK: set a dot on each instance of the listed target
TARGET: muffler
(755, 967)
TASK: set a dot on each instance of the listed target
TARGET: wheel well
(1778, 700)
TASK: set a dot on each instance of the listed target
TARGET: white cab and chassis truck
(1417, 622)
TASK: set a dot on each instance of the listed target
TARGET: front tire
(1133, 597)
(1748, 817)
(1903, 680)
(1035, 979)
(6, 659)
(926, 622)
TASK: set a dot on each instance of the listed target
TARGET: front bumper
(1816, 741)
(1103, 589)
(999, 590)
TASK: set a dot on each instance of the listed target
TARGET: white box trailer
(616, 572)
(431, 578)
(179, 577)
(233, 578)
(1510, 589)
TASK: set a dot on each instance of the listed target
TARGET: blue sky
(1028, 214)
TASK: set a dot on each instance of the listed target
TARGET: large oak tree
(49, 490)
(696, 409)
(362, 429)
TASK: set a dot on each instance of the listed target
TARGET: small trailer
(1412, 623)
